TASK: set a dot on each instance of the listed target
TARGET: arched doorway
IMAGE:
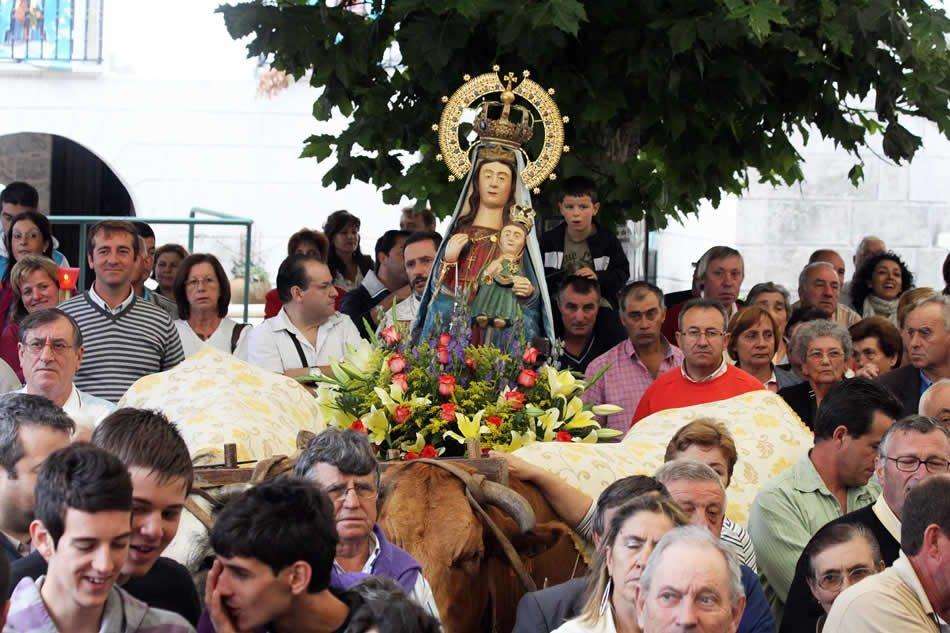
(71, 180)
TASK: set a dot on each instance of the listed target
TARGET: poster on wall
(39, 29)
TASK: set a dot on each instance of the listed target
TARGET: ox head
(425, 511)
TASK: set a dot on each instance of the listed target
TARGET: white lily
(608, 433)
(329, 411)
(606, 409)
(562, 383)
(360, 356)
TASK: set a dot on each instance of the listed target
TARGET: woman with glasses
(203, 295)
(753, 335)
(824, 349)
(633, 532)
(839, 555)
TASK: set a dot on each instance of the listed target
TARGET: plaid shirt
(626, 379)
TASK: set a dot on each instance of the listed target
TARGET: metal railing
(51, 30)
(219, 219)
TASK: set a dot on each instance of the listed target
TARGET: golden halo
(456, 157)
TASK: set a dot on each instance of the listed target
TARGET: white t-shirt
(85, 409)
(220, 340)
(271, 346)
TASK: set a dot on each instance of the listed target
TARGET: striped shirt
(137, 340)
(735, 535)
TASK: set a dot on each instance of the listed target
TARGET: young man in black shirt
(275, 546)
(160, 466)
(381, 287)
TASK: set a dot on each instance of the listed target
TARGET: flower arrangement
(429, 399)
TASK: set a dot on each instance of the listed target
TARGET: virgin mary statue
(492, 191)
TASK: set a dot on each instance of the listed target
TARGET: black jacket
(905, 384)
(358, 303)
(801, 609)
(545, 610)
(802, 400)
(607, 333)
(610, 262)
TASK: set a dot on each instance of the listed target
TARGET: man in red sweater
(705, 375)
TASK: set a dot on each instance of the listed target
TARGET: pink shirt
(626, 379)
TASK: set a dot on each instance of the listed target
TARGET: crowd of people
(864, 363)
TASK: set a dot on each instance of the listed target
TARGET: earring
(606, 599)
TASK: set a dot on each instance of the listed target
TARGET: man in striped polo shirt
(124, 337)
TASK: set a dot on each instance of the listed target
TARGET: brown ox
(425, 511)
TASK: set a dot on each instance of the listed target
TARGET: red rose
(400, 379)
(429, 452)
(410, 455)
(402, 413)
(493, 420)
(563, 436)
(397, 363)
(527, 378)
(358, 426)
(530, 355)
(443, 353)
(446, 385)
(470, 363)
(390, 335)
(515, 399)
(444, 340)
(448, 412)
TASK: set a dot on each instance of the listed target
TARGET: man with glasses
(50, 351)
(911, 451)
(342, 463)
(705, 375)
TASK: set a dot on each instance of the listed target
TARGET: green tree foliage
(671, 101)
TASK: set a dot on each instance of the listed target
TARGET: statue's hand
(454, 248)
(522, 287)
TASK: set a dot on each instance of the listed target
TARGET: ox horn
(513, 504)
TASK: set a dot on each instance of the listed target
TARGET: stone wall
(27, 157)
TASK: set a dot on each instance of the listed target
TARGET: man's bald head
(935, 402)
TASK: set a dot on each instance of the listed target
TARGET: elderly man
(31, 428)
(935, 403)
(51, 351)
(868, 247)
(833, 258)
(912, 596)
(926, 335)
(633, 364)
(308, 332)
(418, 256)
(587, 329)
(705, 375)
(913, 450)
(691, 582)
(719, 274)
(699, 491)
(819, 286)
(342, 462)
(831, 480)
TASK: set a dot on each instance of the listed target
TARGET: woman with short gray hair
(823, 348)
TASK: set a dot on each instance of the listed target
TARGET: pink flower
(563, 436)
(402, 413)
(358, 426)
(515, 399)
(448, 412)
(493, 420)
(446, 385)
(400, 379)
(527, 378)
(429, 452)
(443, 353)
(530, 355)
(396, 363)
(444, 340)
(390, 335)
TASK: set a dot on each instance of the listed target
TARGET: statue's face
(494, 184)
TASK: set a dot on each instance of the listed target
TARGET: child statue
(496, 304)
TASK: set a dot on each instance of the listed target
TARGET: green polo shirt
(786, 514)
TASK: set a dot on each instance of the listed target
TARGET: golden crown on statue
(522, 215)
(503, 122)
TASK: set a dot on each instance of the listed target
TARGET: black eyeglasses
(911, 464)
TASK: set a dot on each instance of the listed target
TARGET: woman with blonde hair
(34, 280)
(634, 530)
